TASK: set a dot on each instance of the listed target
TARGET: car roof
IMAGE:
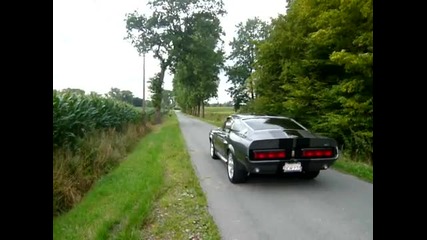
(253, 116)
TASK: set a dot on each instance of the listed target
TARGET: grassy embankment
(153, 194)
(216, 116)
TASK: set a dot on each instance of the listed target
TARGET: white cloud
(89, 51)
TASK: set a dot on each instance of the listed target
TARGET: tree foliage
(167, 31)
(137, 102)
(121, 95)
(242, 56)
(73, 90)
(168, 101)
(155, 88)
(196, 78)
(316, 66)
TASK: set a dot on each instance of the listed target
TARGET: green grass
(219, 109)
(74, 172)
(358, 169)
(217, 115)
(181, 211)
(157, 177)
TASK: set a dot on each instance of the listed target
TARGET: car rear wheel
(212, 150)
(236, 172)
(310, 174)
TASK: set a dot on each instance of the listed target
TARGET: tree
(94, 94)
(166, 31)
(137, 102)
(353, 52)
(205, 58)
(74, 90)
(155, 88)
(121, 95)
(168, 101)
(114, 93)
(126, 96)
(316, 66)
(196, 76)
(243, 55)
(149, 104)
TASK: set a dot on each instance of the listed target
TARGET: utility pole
(143, 82)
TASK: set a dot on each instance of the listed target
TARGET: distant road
(333, 206)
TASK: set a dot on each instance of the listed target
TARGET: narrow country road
(333, 206)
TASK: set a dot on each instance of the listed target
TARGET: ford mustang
(270, 145)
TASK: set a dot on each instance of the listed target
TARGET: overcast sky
(89, 52)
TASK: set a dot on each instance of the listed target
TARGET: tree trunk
(252, 90)
(203, 109)
(198, 110)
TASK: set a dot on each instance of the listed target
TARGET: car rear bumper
(274, 167)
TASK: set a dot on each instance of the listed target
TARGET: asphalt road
(332, 206)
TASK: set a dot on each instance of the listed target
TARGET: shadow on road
(291, 179)
(288, 182)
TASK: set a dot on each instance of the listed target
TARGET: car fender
(241, 161)
(231, 149)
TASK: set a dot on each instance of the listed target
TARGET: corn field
(76, 115)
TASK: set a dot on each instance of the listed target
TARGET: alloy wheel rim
(230, 164)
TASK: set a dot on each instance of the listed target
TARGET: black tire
(310, 174)
(212, 150)
(235, 171)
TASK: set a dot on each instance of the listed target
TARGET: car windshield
(272, 123)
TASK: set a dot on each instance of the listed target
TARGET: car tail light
(317, 153)
(268, 155)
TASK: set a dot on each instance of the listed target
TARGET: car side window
(237, 126)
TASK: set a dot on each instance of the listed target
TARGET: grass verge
(74, 172)
(217, 115)
(153, 194)
(361, 170)
(181, 210)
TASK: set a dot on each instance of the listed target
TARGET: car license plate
(292, 167)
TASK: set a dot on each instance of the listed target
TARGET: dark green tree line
(196, 79)
(316, 66)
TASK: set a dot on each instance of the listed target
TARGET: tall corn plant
(76, 115)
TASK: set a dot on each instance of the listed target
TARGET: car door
(221, 141)
(237, 137)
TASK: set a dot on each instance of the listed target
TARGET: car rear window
(272, 123)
